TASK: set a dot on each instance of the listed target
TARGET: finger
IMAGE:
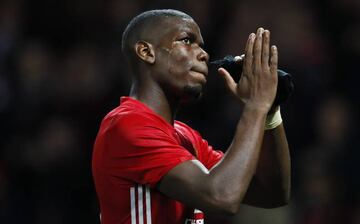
(229, 81)
(258, 47)
(248, 54)
(265, 50)
(274, 60)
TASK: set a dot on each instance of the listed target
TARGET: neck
(152, 95)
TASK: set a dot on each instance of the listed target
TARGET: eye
(186, 40)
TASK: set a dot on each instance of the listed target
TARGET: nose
(203, 56)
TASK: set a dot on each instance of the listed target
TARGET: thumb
(229, 81)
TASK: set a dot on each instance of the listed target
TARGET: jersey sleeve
(142, 149)
(206, 154)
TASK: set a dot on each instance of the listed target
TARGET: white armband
(273, 120)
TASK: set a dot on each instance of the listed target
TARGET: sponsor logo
(198, 218)
(193, 221)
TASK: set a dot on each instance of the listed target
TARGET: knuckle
(246, 70)
(265, 67)
(274, 63)
(274, 60)
(257, 70)
(257, 50)
(248, 61)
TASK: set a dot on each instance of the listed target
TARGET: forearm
(232, 176)
(271, 184)
(274, 163)
(223, 188)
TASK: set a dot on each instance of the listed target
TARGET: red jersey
(133, 150)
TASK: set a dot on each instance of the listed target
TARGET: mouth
(199, 75)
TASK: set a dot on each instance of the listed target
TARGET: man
(150, 168)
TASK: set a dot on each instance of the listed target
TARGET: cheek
(180, 61)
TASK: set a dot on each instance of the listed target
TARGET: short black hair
(136, 29)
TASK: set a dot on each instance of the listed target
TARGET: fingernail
(267, 33)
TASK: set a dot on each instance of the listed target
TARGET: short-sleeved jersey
(133, 150)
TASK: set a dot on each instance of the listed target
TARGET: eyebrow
(194, 37)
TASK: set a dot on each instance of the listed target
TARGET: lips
(202, 70)
(199, 76)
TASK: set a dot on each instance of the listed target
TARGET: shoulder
(132, 114)
(189, 133)
(129, 123)
(182, 126)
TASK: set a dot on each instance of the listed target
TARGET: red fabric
(133, 150)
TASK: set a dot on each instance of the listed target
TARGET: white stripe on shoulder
(200, 165)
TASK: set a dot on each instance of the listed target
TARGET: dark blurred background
(61, 71)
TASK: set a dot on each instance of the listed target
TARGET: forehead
(173, 26)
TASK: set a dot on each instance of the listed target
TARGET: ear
(145, 51)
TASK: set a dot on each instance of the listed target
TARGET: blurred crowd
(61, 71)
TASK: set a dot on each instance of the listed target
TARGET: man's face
(180, 62)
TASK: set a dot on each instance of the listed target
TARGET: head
(164, 49)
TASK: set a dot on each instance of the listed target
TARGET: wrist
(255, 109)
(253, 117)
(254, 112)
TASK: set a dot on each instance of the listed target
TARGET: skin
(256, 167)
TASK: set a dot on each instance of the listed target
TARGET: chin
(192, 93)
